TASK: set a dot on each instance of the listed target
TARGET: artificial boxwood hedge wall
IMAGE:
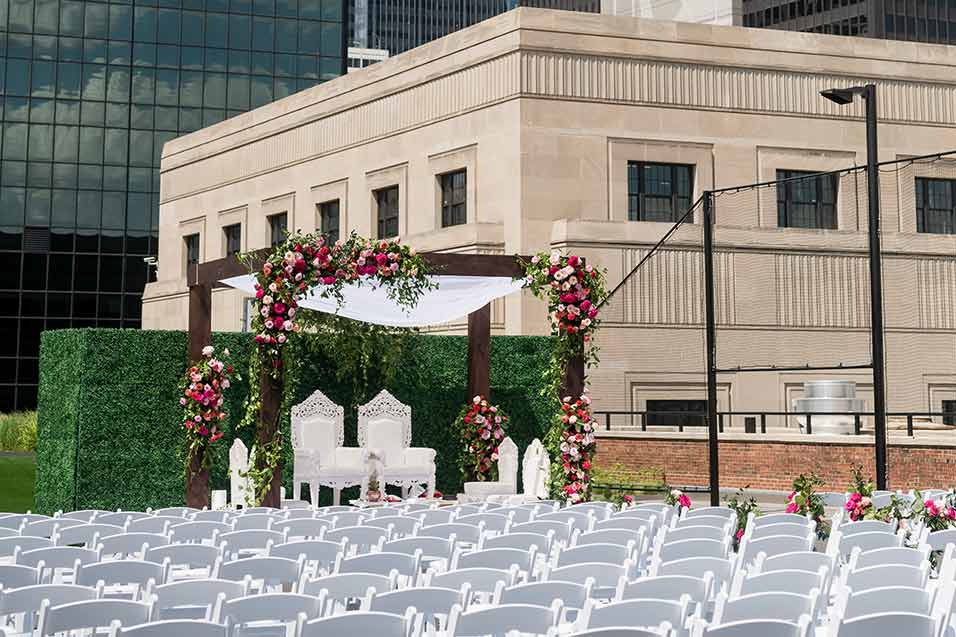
(109, 417)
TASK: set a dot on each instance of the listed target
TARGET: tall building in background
(725, 12)
(931, 21)
(92, 91)
(396, 26)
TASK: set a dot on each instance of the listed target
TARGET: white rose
(208, 350)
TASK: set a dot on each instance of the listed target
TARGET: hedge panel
(109, 417)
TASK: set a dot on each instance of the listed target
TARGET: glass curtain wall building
(91, 90)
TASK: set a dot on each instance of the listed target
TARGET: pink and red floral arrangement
(305, 262)
(480, 428)
(202, 402)
(576, 447)
(574, 291)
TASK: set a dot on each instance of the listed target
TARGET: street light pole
(845, 96)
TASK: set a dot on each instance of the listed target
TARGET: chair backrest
(153, 524)
(560, 528)
(318, 423)
(634, 612)
(681, 549)
(767, 605)
(892, 555)
(435, 516)
(129, 544)
(867, 526)
(887, 599)
(48, 527)
(346, 586)
(27, 600)
(272, 571)
(799, 582)
(601, 510)
(382, 563)
(362, 538)
(504, 618)
(938, 540)
(85, 534)
(671, 587)
(518, 514)
(320, 552)
(883, 575)
(344, 519)
(693, 532)
(760, 628)
(501, 559)
(95, 613)
(865, 541)
(359, 623)
(494, 522)
(773, 545)
(195, 598)
(251, 521)
(782, 528)
(270, 607)
(299, 513)
(597, 552)
(384, 423)
(255, 540)
(777, 518)
(401, 525)
(719, 511)
(13, 521)
(482, 580)
(521, 541)
(178, 512)
(211, 516)
(430, 547)
(197, 531)
(664, 630)
(120, 572)
(55, 557)
(430, 601)
(192, 556)
(178, 627)
(307, 528)
(797, 561)
(715, 521)
(17, 575)
(888, 625)
(508, 464)
(9, 545)
(580, 520)
(697, 567)
(535, 470)
(606, 576)
(463, 532)
(572, 594)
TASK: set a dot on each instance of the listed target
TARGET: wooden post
(200, 319)
(479, 352)
(573, 383)
(270, 395)
(197, 484)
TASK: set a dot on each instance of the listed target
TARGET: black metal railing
(681, 420)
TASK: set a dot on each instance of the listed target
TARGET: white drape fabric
(454, 298)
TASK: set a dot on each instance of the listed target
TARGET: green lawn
(17, 477)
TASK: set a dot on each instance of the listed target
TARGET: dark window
(658, 192)
(278, 228)
(806, 200)
(387, 200)
(949, 407)
(453, 191)
(192, 248)
(676, 413)
(329, 219)
(936, 206)
(233, 235)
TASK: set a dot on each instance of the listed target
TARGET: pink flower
(740, 534)
(684, 501)
(573, 261)
(792, 507)
(629, 499)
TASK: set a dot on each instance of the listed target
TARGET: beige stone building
(547, 128)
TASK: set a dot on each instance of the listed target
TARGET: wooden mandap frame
(203, 277)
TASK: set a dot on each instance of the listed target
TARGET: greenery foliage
(110, 425)
(17, 472)
(18, 431)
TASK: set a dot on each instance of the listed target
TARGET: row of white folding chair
(840, 545)
(936, 602)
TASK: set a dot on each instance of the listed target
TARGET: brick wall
(772, 464)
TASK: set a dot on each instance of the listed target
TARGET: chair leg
(336, 495)
(296, 489)
(314, 493)
(430, 488)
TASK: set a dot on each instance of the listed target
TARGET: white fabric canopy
(454, 298)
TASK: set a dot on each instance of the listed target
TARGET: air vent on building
(36, 239)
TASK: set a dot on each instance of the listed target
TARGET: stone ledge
(939, 439)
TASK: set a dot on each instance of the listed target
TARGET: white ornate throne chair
(385, 426)
(507, 483)
(240, 488)
(318, 432)
(536, 472)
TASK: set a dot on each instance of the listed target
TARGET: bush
(109, 416)
(18, 431)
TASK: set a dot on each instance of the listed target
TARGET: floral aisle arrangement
(201, 397)
(806, 500)
(480, 427)
(677, 498)
(576, 448)
(743, 507)
(859, 503)
(935, 515)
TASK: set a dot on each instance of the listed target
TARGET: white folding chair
(640, 613)
(465, 534)
(778, 518)
(501, 559)
(767, 605)
(887, 599)
(572, 594)
(134, 545)
(198, 532)
(716, 511)
(433, 603)
(17, 575)
(841, 545)
(799, 582)
(320, 555)
(868, 526)
(270, 571)
(188, 560)
(177, 627)
(884, 575)
(436, 551)
(481, 581)
(59, 562)
(664, 630)
(10, 546)
(521, 542)
(22, 604)
(694, 532)
(772, 545)
(85, 535)
(888, 625)
(671, 587)
(125, 578)
(720, 569)
(211, 516)
(589, 553)
(360, 539)
(682, 549)
(758, 628)
(343, 588)
(782, 528)
(359, 623)
(248, 542)
(893, 555)
(153, 524)
(91, 614)
(601, 510)
(48, 527)
(581, 520)
(560, 529)
(502, 619)
(176, 512)
(253, 521)
(256, 614)
(435, 516)
(194, 599)
(305, 528)
(349, 518)
(400, 525)
(607, 577)
(407, 567)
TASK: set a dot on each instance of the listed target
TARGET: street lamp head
(839, 96)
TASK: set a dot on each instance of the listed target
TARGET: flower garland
(307, 261)
(934, 515)
(805, 500)
(676, 497)
(480, 430)
(859, 504)
(577, 448)
(202, 399)
(742, 506)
